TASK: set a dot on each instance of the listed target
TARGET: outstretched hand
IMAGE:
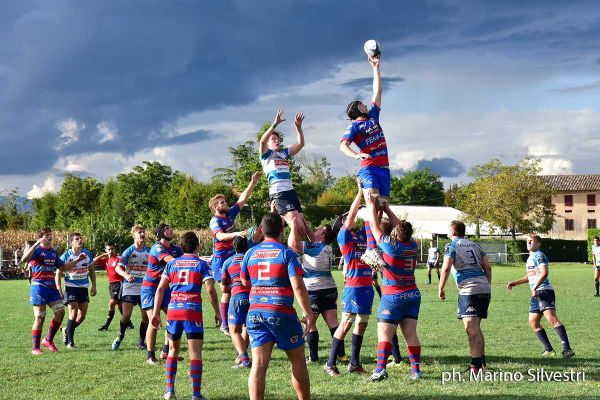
(299, 119)
(374, 61)
(279, 117)
(256, 176)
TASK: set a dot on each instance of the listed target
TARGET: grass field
(93, 371)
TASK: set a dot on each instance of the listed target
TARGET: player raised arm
(263, 145)
(243, 199)
(214, 301)
(374, 61)
(29, 252)
(374, 218)
(296, 147)
(295, 241)
(349, 223)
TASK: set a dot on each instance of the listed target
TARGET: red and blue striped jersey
(218, 224)
(269, 266)
(186, 274)
(156, 262)
(352, 246)
(231, 274)
(401, 260)
(368, 136)
(43, 264)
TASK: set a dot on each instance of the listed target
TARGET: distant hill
(23, 203)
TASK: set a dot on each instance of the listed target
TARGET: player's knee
(39, 315)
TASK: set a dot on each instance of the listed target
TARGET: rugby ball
(372, 48)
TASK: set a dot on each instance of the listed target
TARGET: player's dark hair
(596, 238)
(160, 230)
(459, 227)
(352, 110)
(240, 244)
(189, 242)
(386, 226)
(329, 235)
(536, 238)
(403, 231)
(42, 232)
(272, 225)
(109, 243)
(74, 234)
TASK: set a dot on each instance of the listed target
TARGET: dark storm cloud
(444, 166)
(142, 64)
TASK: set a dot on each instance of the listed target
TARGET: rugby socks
(151, 354)
(143, 329)
(429, 276)
(483, 361)
(597, 288)
(244, 358)
(224, 308)
(313, 345)
(541, 334)
(35, 339)
(165, 348)
(122, 330)
(371, 244)
(196, 375)
(356, 345)
(378, 290)
(396, 349)
(476, 362)
(70, 331)
(109, 318)
(335, 345)
(384, 349)
(52, 329)
(341, 351)
(171, 371)
(414, 355)
(562, 334)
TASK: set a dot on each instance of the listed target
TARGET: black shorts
(432, 265)
(322, 300)
(114, 289)
(76, 295)
(473, 305)
(286, 201)
(545, 300)
(136, 300)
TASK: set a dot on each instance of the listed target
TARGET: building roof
(568, 183)
(430, 220)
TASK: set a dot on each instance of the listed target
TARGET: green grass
(93, 371)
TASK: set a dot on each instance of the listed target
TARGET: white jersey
(77, 276)
(596, 252)
(432, 254)
(135, 262)
(317, 266)
(468, 266)
(276, 165)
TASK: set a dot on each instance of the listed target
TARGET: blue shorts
(473, 305)
(545, 300)
(597, 267)
(147, 294)
(286, 201)
(358, 300)
(283, 329)
(238, 309)
(193, 330)
(375, 178)
(76, 295)
(216, 264)
(41, 295)
(393, 308)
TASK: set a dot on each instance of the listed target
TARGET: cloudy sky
(96, 87)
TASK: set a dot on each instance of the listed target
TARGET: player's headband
(161, 229)
(352, 110)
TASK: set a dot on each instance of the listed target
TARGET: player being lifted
(275, 275)
(240, 301)
(221, 227)
(542, 298)
(596, 262)
(322, 289)
(276, 166)
(76, 286)
(132, 269)
(473, 275)
(186, 275)
(43, 261)
(357, 299)
(433, 258)
(161, 253)
(109, 262)
(366, 133)
(401, 298)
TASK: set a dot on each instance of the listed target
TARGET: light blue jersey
(316, 264)
(135, 262)
(78, 276)
(468, 266)
(276, 166)
(596, 252)
(534, 262)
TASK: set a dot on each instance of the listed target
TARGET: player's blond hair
(136, 228)
(212, 203)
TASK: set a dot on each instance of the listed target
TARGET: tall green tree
(76, 198)
(420, 187)
(44, 211)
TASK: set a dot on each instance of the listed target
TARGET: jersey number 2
(264, 268)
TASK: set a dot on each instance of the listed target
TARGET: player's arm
(72, 263)
(518, 282)
(374, 61)
(542, 276)
(349, 223)
(487, 269)
(448, 261)
(437, 253)
(394, 220)
(158, 298)
(58, 281)
(29, 252)
(243, 199)
(295, 239)
(307, 229)
(345, 149)
(120, 269)
(92, 272)
(302, 296)
(225, 237)
(296, 147)
(214, 301)
(99, 257)
(244, 273)
(263, 144)
(593, 260)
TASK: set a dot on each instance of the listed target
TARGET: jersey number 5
(264, 268)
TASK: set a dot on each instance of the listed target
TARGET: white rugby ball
(372, 48)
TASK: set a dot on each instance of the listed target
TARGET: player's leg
(597, 281)
(385, 331)
(561, 331)
(429, 267)
(81, 314)
(437, 270)
(475, 337)
(312, 338)
(357, 339)
(123, 323)
(337, 341)
(331, 319)
(143, 329)
(534, 322)
(225, 299)
(39, 315)
(261, 356)
(112, 304)
(300, 379)
(70, 330)
(408, 326)
(239, 342)
(175, 330)
(195, 352)
(58, 308)
(151, 339)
